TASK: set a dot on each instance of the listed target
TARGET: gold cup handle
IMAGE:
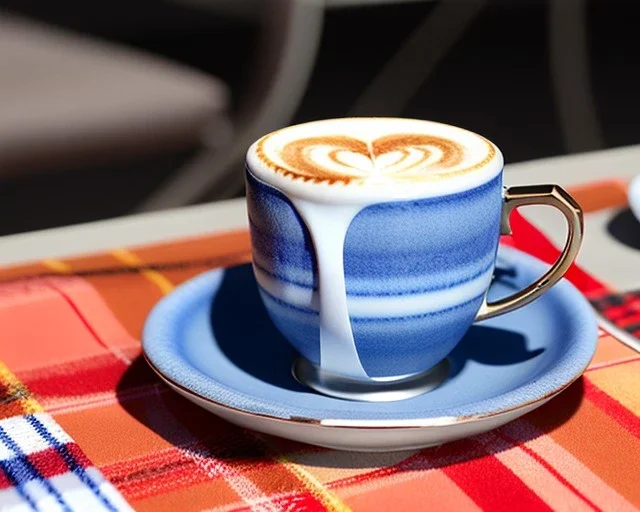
(550, 195)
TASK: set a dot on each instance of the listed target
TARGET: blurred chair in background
(68, 100)
(291, 34)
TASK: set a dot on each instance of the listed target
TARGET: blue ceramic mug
(374, 242)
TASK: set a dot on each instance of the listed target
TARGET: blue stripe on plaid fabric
(16, 484)
(42, 470)
(70, 461)
(20, 469)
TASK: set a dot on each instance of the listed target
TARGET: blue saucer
(212, 341)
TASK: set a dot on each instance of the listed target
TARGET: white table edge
(192, 221)
(130, 231)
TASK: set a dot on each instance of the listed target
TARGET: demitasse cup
(374, 242)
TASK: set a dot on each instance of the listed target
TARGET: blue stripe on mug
(412, 289)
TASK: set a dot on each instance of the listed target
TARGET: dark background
(496, 80)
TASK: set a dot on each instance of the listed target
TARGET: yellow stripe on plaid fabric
(315, 487)
(131, 260)
(16, 392)
(59, 266)
(621, 382)
(330, 501)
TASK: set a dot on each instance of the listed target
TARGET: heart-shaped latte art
(343, 159)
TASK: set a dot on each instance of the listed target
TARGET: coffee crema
(368, 150)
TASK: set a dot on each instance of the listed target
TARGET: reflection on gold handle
(550, 195)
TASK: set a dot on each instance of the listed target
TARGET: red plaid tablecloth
(85, 424)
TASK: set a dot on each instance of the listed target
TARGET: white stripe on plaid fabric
(43, 469)
(28, 439)
(11, 501)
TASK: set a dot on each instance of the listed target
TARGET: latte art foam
(369, 150)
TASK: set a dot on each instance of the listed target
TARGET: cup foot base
(375, 390)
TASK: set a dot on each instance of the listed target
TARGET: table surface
(598, 253)
(80, 368)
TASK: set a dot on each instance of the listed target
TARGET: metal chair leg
(569, 61)
(401, 77)
(293, 34)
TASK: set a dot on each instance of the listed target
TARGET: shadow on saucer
(239, 318)
(490, 346)
(625, 228)
(505, 274)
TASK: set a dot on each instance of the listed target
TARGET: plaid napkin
(85, 424)
(42, 467)
(621, 308)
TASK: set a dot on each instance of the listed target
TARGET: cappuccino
(372, 151)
